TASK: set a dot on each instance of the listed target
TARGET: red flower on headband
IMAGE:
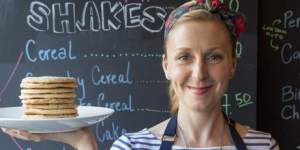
(200, 1)
(215, 3)
(224, 8)
(239, 24)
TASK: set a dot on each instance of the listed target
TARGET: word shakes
(290, 97)
(70, 17)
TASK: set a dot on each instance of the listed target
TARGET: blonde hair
(174, 101)
(195, 15)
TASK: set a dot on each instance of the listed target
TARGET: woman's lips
(199, 90)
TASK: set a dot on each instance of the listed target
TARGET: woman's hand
(82, 139)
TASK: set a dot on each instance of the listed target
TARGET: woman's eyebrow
(183, 48)
(215, 48)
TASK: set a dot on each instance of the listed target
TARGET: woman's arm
(82, 139)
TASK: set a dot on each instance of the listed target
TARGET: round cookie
(49, 106)
(44, 91)
(48, 101)
(47, 85)
(46, 96)
(48, 79)
(31, 111)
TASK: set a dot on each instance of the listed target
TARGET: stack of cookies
(48, 97)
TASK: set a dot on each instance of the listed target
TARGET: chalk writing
(289, 112)
(11, 75)
(278, 32)
(117, 105)
(151, 82)
(99, 78)
(111, 134)
(106, 16)
(288, 55)
(274, 33)
(289, 21)
(238, 49)
(152, 110)
(234, 5)
(81, 90)
(243, 99)
(120, 55)
(290, 93)
(226, 105)
(47, 54)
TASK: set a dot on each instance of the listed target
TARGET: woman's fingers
(24, 135)
(79, 139)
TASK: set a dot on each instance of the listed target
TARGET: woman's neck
(201, 129)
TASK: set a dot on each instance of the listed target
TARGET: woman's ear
(165, 66)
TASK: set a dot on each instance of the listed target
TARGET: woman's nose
(199, 71)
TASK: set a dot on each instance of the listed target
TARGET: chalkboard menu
(114, 50)
(279, 71)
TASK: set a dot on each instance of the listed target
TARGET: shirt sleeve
(123, 143)
(273, 144)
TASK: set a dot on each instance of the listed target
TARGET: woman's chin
(199, 104)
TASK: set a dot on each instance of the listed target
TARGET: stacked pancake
(48, 97)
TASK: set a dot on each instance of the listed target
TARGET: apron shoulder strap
(239, 143)
(167, 140)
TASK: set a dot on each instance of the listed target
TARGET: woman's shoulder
(158, 129)
(255, 139)
(248, 132)
(147, 139)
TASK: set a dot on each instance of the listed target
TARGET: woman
(199, 62)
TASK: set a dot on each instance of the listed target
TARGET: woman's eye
(183, 58)
(214, 58)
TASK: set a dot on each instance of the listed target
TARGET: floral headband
(234, 21)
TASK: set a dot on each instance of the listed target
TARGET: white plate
(11, 117)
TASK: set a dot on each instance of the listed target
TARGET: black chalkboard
(114, 49)
(279, 71)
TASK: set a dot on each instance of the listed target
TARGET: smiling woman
(199, 62)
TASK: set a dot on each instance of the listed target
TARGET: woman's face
(199, 63)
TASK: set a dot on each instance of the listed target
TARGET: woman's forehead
(205, 33)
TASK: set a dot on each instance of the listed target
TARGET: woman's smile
(199, 90)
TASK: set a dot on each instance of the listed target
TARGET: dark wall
(96, 40)
(279, 71)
